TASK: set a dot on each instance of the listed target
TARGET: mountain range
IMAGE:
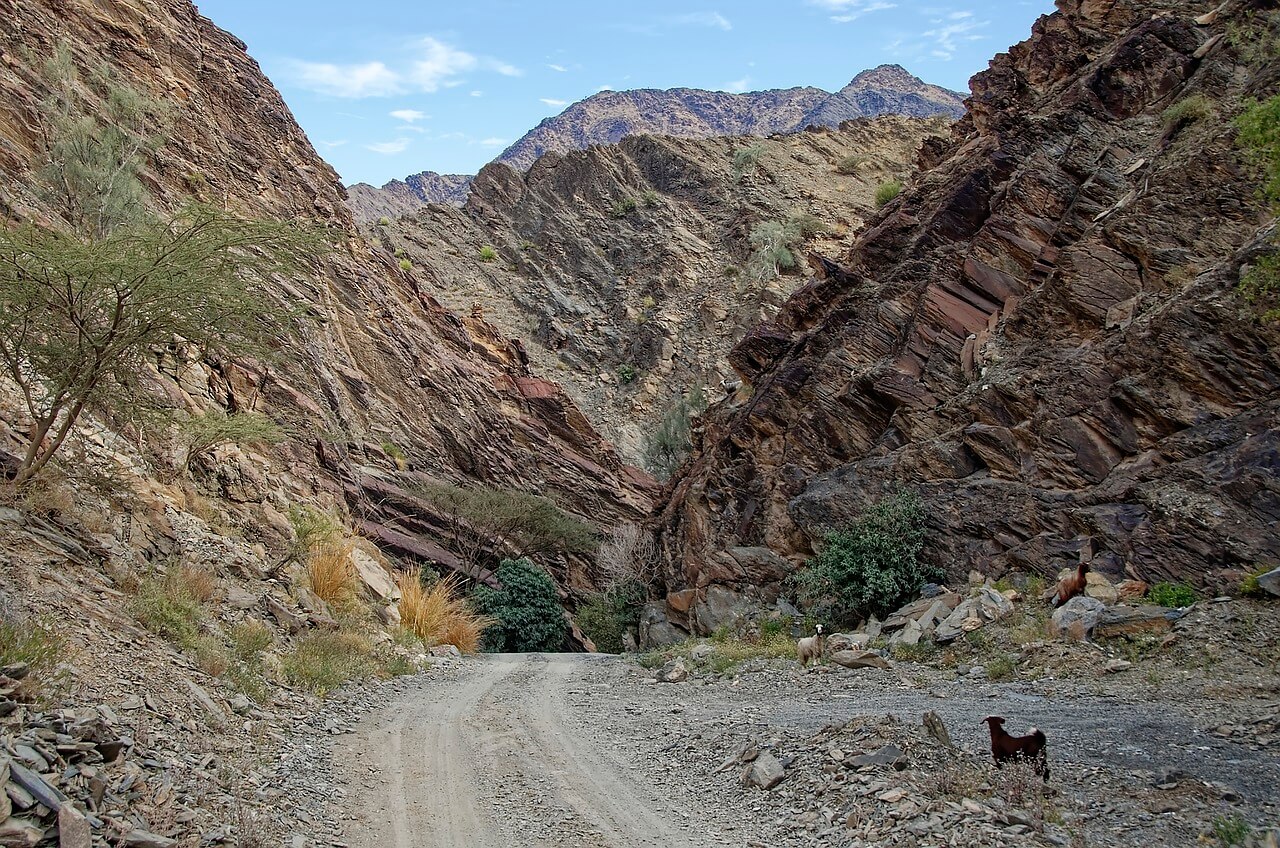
(610, 116)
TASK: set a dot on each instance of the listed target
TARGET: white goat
(810, 648)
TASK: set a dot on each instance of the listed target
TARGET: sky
(388, 88)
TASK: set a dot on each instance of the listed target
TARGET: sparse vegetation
(438, 614)
(851, 164)
(1173, 595)
(887, 191)
(746, 159)
(205, 433)
(323, 661)
(649, 199)
(1231, 830)
(330, 574)
(168, 607)
(396, 455)
(668, 446)
(1000, 667)
(729, 650)
(526, 610)
(1249, 585)
(806, 224)
(628, 554)
(1189, 110)
(32, 642)
(1258, 131)
(627, 374)
(488, 253)
(623, 207)
(483, 522)
(871, 566)
(82, 307)
(384, 221)
(311, 528)
(772, 255)
(405, 264)
(606, 616)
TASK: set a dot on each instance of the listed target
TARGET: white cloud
(944, 38)
(708, 19)
(389, 148)
(551, 101)
(559, 69)
(737, 86)
(329, 145)
(435, 65)
(845, 11)
(372, 79)
(477, 94)
(493, 142)
(409, 115)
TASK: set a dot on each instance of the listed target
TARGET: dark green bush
(1172, 595)
(870, 567)
(623, 207)
(526, 610)
(627, 374)
(668, 446)
(606, 616)
(887, 191)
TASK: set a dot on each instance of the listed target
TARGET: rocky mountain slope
(400, 197)
(1042, 336)
(627, 268)
(610, 116)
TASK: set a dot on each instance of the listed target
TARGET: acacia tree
(82, 304)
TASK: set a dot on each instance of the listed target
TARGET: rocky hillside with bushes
(1044, 335)
(610, 116)
(630, 270)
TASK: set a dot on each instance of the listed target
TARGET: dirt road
(490, 762)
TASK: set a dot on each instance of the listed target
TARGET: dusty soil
(577, 750)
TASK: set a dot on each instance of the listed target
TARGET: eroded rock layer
(1041, 335)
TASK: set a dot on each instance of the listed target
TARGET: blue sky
(388, 88)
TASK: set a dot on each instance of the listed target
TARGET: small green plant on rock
(668, 446)
(1172, 595)
(384, 221)
(1258, 132)
(205, 433)
(627, 374)
(746, 159)
(624, 207)
(1189, 110)
(405, 265)
(887, 191)
(851, 164)
(488, 253)
(1231, 830)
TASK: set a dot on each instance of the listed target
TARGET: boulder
(375, 578)
(1270, 582)
(954, 626)
(1131, 590)
(991, 605)
(765, 771)
(860, 659)
(1076, 619)
(1099, 587)
(720, 606)
(702, 651)
(1133, 621)
(911, 633)
(890, 756)
(656, 630)
(837, 642)
(673, 672)
(937, 729)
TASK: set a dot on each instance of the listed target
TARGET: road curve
(492, 761)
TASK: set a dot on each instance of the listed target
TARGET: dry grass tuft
(330, 572)
(198, 584)
(439, 615)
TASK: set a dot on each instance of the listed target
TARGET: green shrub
(323, 661)
(649, 199)
(168, 608)
(384, 221)
(311, 529)
(851, 164)
(1172, 595)
(922, 651)
(772, 241)
(606, 616)
(526, 610)
(395, 454)
(34, 643)
(746, 159)
(249, 639)
(1189, 110)
(731, 271)
(806, 224)
(1000, 667)
(887, 191)
(205, 433)
(1231, 830)
(1249, 585)
(668, 446)
(1258, 131)
(627, 374)
(870, 567)
(488, 253)
(405, 265)
(623, 207)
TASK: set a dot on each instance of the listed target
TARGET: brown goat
(1030, 748)
(1070, 586)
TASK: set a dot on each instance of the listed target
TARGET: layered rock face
(400, 197)
(625, 268)
(1041, 336)
(378, 361)
(610, 116)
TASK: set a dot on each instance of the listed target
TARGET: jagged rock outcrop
(610, 116)
(1041, 336)
(379, 362)
(625, 267)
(401, 197)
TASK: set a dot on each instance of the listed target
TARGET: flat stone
(888, 756)
(20, 833)
(1131, 621)
(35, 786)
(375, 578)
(145, 839)
(860, 659)
(1270, 582)
(765, 771)
(73, 828)
(444, 651)
(1099, 587)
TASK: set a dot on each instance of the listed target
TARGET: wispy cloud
(737, 86)
(845, 11)
(409, 116)
(493, 142)
(945, 38)
(389, 148)
(371, 79)
(707, 19)
(477, 94)
(551, 101)
(561, 69)
(329, 145)
(435, 64)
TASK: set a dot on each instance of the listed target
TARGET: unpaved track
(491, 762)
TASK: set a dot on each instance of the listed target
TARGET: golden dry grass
(330, 572)
(198, 584)
(439, 615)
